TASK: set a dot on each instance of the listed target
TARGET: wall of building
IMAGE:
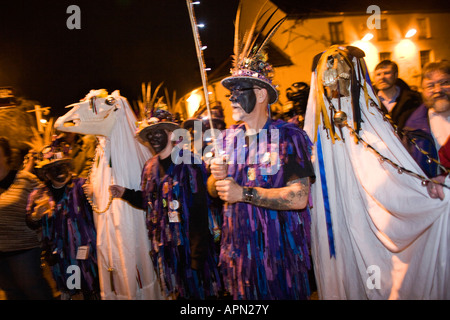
(301, 40)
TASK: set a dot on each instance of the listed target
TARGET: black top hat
(161, 119)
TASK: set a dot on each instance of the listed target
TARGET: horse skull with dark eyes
(93, 115)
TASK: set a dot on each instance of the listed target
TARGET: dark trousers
(21, 276)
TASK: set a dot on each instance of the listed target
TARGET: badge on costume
(174, 204)
(251, 174)
(174, 216)
(82, 252)
(165, 188)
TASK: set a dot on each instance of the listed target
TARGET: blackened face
(58, 172)
(158, 139)
(244, 95)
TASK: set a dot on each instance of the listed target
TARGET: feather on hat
(250, 61)
(152, 114)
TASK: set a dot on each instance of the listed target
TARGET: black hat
(161, 119)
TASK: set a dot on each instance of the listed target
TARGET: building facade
(379, 33)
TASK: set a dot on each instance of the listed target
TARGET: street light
(410, 33)
(368, 36)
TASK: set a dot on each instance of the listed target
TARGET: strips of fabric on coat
(70, 226)
(170, 247)
(265, 253)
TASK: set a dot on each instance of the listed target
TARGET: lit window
(385, 56)
(423, 26)
(383, 32)
(336, 32)
(424, 57)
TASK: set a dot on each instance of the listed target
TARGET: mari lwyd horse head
(125, 268)
(95, 114)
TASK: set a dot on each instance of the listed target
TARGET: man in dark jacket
(398, 100)
(429, 126)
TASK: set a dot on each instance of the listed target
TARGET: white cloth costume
(125, 267)
(391, 239)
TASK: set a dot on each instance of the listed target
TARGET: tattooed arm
(292, 197)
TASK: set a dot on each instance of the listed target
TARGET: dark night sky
(121, 44)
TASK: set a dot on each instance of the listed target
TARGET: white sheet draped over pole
(391, 239)
(122, 232)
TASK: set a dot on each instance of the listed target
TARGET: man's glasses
(443, 84)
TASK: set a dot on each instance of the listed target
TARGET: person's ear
(261, 95)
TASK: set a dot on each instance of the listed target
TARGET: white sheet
(382, 220)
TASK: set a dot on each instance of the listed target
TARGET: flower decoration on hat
(154, 113)
(58, 151)
(159, 119)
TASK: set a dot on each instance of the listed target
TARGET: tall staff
(201, 63)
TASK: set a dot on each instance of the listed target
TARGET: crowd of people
(264, 250)
(237, 226)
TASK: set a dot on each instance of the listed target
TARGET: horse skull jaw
(100, 125)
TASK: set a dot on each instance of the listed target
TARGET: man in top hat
(59, 207)
(175, 198)
(265, 182)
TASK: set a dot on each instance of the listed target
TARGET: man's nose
(437, 88)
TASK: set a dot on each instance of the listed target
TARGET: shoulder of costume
(293, 138)
(27, 177)
(151, 161)
(39, 189)
(78, 181)
(418, 117)
(289, 129)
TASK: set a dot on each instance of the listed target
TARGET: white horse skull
(93, 115)
(125, 268)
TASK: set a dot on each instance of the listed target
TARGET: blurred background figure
(398, 100)
(294, 110)
(81, 150)
(298, 94)
(427, 131)
(60, 209)
(201, 117)
(21, 275)
(175, 198)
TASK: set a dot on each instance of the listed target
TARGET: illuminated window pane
(336, 32)
(385, 56)
(424, 57)
(423, 28)
(383, 32)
